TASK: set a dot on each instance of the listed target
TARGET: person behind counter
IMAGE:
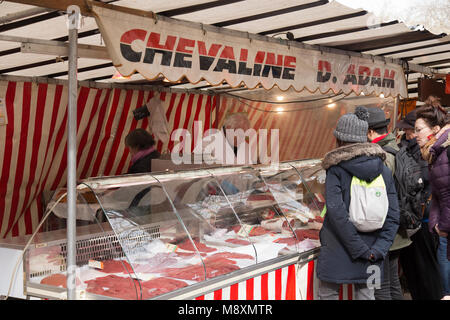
(231, 144)
(347, 255)
(142, 149)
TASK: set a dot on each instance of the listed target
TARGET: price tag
(95, 264)
(245, 230)
(171, 247)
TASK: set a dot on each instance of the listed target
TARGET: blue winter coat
(345, 251)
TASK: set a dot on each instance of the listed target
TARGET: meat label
(95, 264)
(171, 247)
(245, 230)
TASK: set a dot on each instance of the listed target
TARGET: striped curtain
(33, 145)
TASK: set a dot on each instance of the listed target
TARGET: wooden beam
(389, 41)
(197, 7)
(60, 5)
(314, 23)
(271, 13)
(344, 31)
(84, 50)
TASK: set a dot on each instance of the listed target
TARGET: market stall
(326, 83)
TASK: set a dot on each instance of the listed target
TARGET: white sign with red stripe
(156, 46)
(294, 282)
(280, 284)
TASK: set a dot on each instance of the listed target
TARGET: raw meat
(260, 197)
(277, 225)
(238, 241)
(214, 267)
(116, 266)
(258, 231)
(193, 273)
(115, 286)
(58, 280)
(231, 255)
(187, 245)
(289, 241)
(307, 234)
(157, 262)
(316, 219)
(188, 254)
(216, 260)
(161, 285)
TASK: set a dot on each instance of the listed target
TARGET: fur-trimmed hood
(364, 160)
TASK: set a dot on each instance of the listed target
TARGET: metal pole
(396, 104)
(74, 18)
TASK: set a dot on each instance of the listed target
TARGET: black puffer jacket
(345, 251)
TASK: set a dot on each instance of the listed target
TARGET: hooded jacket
(401, 239)
(389, 141)
(344, 254)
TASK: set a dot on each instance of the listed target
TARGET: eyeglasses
(417, 130)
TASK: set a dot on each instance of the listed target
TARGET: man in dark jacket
(348, 256)
(378, 133)
(142, 149)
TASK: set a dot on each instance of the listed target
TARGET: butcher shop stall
(74, 225)
(182, 235)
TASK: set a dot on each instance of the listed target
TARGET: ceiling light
(381, 95)
(280, 98)
(280, 109)
(331, 105)
(118, 76)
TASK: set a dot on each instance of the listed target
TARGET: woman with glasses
(433, 137)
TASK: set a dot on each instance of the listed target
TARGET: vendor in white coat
(235, 144)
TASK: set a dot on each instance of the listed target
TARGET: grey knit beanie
(352, 127)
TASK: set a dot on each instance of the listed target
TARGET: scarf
(425, 150)
(141, 154)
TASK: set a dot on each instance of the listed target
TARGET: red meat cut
(187, 245)
(238, 241)
(231, 255)
(161, 285)
(116, 266)
(214, 267)
(289, 241)
(116, 287)
(307, 234)
(58, 280)
(260, 197)
(258, 231)
(55, 280)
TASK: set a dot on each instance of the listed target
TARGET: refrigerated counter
(221, 233)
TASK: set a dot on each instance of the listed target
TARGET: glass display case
(166, 235)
